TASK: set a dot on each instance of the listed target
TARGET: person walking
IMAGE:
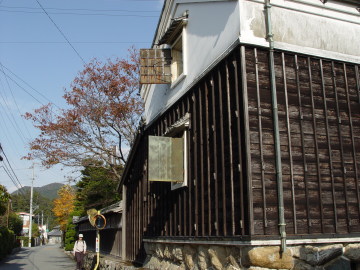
(79, 252)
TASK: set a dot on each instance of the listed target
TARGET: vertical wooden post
(245, 106)
(123, 222)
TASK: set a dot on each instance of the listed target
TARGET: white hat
(81, 235)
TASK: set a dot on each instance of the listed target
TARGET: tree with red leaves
(104, 111)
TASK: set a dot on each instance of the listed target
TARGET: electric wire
(21, 87)
(13, 121)
(2, 150)
(74, 42)
(10, 176)
(80, 14)
(27, 84)
(83, 9)
(17, 106)
(11, 169)
(61, 32)
(5, 127)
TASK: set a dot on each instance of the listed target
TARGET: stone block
(352, 251)
(295, 251)
(164, 265)
(177, 254)
(173, 266)
(188, 255)
(301, 265)
(167, 253)
(217, 257)
(320, 255)
(257, 268)
(270, 257)
(159, 252)
(153, 263)
(231, 263)
(339, 263)
(203, 258)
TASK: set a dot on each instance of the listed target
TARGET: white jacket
(80, 246)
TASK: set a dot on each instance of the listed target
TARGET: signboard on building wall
(155, 66)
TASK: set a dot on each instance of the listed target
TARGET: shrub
(25, 240)
(7, 240)
(69, 247)
(70, 236)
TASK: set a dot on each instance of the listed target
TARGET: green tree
(97, 187)
(15, 223)
(4, 198)
(70, 234)
(42, 205)
(35, 230)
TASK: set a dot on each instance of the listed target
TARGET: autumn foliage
(104, 111)
(64, 205)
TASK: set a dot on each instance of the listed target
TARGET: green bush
(25, 240)
(69, 247)
(70, 236)
(7, 240)
(15, 223)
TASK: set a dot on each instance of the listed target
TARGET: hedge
(7, 240)
(26, 240)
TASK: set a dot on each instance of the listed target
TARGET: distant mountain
(48, 191)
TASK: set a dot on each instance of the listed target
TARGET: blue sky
(40, 63)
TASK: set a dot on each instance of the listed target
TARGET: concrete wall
(309, 26)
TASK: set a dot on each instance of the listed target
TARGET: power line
(84, 9)
(14, 123)
(17, 106)
(5, 127)
(81, 14)
(13, 172)
(61, 32)
(10, 176)
(21, 87)
(27, 84)
(73, 42)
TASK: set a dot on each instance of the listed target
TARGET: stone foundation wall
(106, 263)
(215, 257)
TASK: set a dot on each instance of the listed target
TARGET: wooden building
(269, 131)
(110, 236)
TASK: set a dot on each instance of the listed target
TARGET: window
(177, 67)
(168, 155)
(166, 159)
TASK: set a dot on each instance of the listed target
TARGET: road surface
(48, 257)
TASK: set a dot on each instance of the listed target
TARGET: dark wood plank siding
(112, 233)
(317, 116)
(232, 189)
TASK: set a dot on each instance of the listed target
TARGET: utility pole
(31, 202)
(8, 212)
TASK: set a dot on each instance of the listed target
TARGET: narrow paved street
(48, 257)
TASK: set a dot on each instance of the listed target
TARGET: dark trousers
(79, 257)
